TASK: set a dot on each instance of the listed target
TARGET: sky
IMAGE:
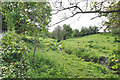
(78, 21)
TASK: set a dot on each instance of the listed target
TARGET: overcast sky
(78, 21)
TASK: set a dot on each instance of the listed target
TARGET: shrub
(114, 60)
(13, 47)
(13, 55)
(28, 39)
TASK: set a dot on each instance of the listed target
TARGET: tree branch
(95, 17)
(88, 12)
(65, 19)
(100, 11)
(64, 9)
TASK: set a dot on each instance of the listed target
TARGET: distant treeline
(67, 32)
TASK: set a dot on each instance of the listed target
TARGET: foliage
(113, 19)
(14, 55)
(33, 19)
(55, 64)
(13, 17)
(20, 15)
(75, 33)
(13, 47)
(50, 63)
(15, 70)
(56, 34)
(88, 31)
(113, 26)
(44, 65)
(67, 30)
(114, 59)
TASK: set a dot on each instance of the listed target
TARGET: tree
(67, 30)
(95, 29)
(56, 33)
(82, 32)
(86, 31)
(90, 30)
(12, 16)
(41, 16)
(33, 17)
(75, 33)
(114, 19)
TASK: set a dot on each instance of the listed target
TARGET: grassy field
(94, 47)
(70, 63)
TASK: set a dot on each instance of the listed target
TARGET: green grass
(50, 63)
(44, 65)
(98, 45)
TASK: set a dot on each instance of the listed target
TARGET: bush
(13, 54)
(114, 60)
(13, 47)
(28, 39)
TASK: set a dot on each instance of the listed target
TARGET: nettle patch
(13, 55)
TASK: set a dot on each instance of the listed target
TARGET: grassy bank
(96, 48)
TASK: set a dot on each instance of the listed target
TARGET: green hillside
(69, 64)
(79, 58)
(98, 45)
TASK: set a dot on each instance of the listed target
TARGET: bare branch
(79, 8)
(75, 8)
(100, 11)
(65, 19)
(87, 12)
(64, 9)
(97, 11)
(95, 17)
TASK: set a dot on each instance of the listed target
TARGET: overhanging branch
(65, 19)
(84, 12)
(100, 11)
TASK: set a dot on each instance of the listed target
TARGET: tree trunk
(36, 40)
